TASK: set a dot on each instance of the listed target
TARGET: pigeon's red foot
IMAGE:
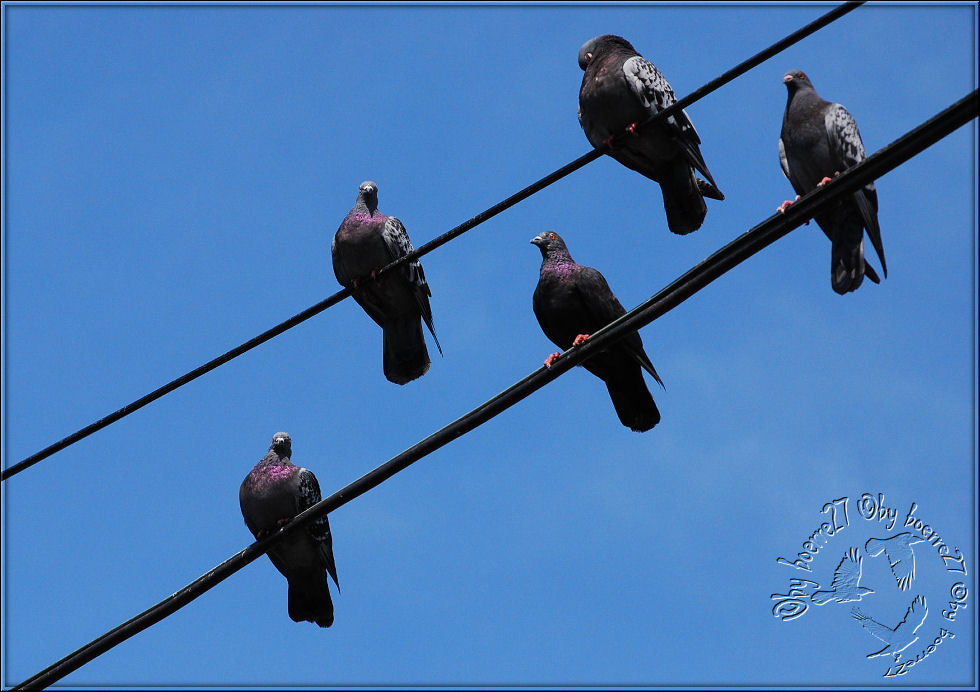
(580, 339)
(551, 359)
(785, 205)
(354, 283)
(374, 274)
(608, 141)
(262, 533)
(282, 522)
(825, 180)
(632, 129)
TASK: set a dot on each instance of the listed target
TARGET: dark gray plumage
(621, 89)
(819, 140)
(366, 241)
(272, 494)
(571, 302)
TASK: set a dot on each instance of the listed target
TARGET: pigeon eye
(551, 236)
(801, 76)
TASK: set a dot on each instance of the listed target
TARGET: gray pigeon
(272, 494)
(819, 140)
(621, 89)
(900, 637)
(571, 302)
(366, 241)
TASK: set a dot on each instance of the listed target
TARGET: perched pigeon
(367, 241)
(819, 140)
(571, 302)
(899, 553)
(272, 494)
(900, 637)
(845, 587)
(620, 90)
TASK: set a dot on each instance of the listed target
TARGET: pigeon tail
(633, 401)
(309, 599)
(405, 355)
(683, 202)
(847, 253)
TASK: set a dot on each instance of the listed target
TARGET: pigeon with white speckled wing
(274, 492)
(818, 141)
(620, 90)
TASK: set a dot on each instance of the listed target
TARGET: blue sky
(173, 177)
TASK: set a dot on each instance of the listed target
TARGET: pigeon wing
(847, 149)
(648, 83)
(398, 243)
(308, 495)
(846, 146)
(603, 307)
(654, 92)
(599, 301)
(783, 161)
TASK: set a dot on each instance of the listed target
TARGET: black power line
(428, 247)
(692, 281)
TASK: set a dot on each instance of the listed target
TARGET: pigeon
(897, 639)
(819, 140)
(620, 90)
(367, 241)
(898, 551)
(844, 588)
(571, 302)
(272, 494)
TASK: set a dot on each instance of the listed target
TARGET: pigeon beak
(787, 79)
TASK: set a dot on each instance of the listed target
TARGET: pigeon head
(367, 194)
(281, 444)
(551, 245)
(594, 46)
(796, 79)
